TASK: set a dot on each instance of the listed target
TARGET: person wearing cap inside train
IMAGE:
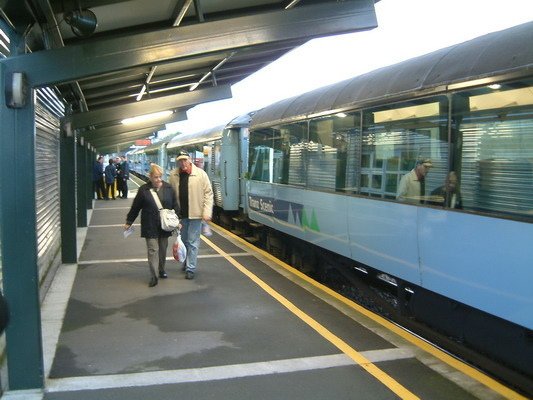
(411, 187)
(195, 198)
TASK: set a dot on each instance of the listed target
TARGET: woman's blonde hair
(155, 170)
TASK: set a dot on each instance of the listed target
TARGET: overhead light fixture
(83, 23)
(141, 93)
(292, 4)
(147, 117)
(208, 74)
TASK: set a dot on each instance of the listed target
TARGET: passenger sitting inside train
(451, 196)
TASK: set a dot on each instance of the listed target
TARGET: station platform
(248, 326)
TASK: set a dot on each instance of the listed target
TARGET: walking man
(195, 200)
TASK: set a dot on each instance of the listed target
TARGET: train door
(243, 165)
(229, 168)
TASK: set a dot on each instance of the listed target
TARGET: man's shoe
(189, 275)
(153, 282)
(163, 275)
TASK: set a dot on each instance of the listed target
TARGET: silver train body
(324, 168)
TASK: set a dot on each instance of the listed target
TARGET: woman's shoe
(163, 275)
(153, 282)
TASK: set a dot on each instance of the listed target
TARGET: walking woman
(156, 238)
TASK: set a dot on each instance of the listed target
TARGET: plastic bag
(206, 229)
(128, 231)
(179, 250)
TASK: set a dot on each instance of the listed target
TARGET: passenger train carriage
(141, 159)
(222, 152)
(324, 168)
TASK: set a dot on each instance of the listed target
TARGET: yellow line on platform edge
(359, 359)
(472, 372)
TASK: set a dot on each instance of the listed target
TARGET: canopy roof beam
(75, 62)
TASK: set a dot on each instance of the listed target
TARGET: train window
(394, 139)
(261, 154)
(277, 154)
(494, 148)
(332, 152)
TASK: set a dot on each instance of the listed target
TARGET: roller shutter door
(48, 110)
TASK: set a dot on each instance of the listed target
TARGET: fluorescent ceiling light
(147, 117)
(292, 4)
(141, 93)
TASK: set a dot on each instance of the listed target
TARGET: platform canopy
(111, 59)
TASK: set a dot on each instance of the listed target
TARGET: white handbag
(169, 219)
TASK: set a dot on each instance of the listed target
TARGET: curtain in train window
(331, 152)
(495, 161)
(290, 164)
(394, 138)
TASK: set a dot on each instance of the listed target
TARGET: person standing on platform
(156, 237)
(195, 200)
(118, 179)
(125, 168)
(98, 178)
(110, 175)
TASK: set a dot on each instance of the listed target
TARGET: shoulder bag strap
(156, 198)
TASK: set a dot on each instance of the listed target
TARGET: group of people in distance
(412, 187)
(112, 179)
(189, 193)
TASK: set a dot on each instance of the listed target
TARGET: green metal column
(89, 161)
(67, 182)
(81, 187)
(18, 228)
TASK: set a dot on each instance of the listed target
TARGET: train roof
(186, 139)
(492, 55)
(241, 120)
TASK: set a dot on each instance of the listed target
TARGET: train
(314, 179)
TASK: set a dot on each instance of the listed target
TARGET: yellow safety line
(427, 347)
(359, 359)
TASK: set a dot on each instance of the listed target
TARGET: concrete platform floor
(245, 327)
